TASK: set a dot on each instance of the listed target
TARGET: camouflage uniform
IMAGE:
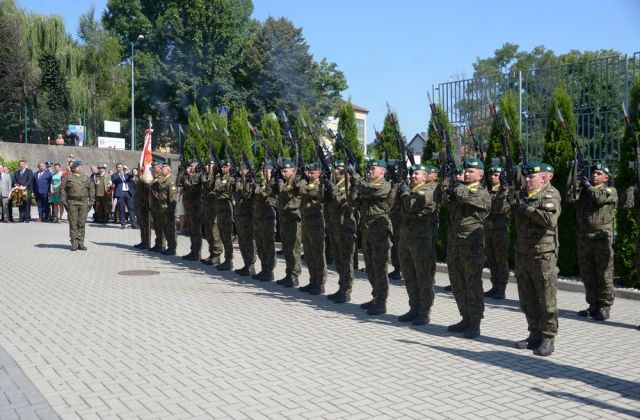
(415, 246)
(375, 199)
(342, 225)
(395, 215)
(224, 214)
(290, 235)
(192, 200)
(76, 193)
(141, 204)
(156, 212)
(265, 227)
(211, 232)
(595, 213)
(497, 241)
(313, 234)
(536, 256)
(168, 198)
(469, 207)
(244, 218)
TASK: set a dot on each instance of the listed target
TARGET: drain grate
(139, 273)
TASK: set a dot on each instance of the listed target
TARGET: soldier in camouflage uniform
(374, 201)
(103, 198)
(76, 194)
(341, 222)
(141, 204)
(451, 209)
(418, 208)
(596, 209)
(311, 193)
(244, 213)
(211, 232)
(156, 208)
(168, 198)
(290, 235)
(536, 214)
(497, 237)
(265, 225)
(395, 215)
(470, 202)
(192, 200)
(224, 214)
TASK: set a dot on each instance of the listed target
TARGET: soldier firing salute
(459, 174)
(496, 235)
(168, 199)
(290, 235)
(192, 199)
(374, 202)
(265, 225)
(465, 259)
(536, 214)
(596, 209)
(244, 213)
(339, 199)
(415, 254)
(77, 194)
(311, 193)
(224, 214)
(156, 208)
(211, 232)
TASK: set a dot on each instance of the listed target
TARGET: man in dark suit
(124, 184)
(41, 185)
(24, 177)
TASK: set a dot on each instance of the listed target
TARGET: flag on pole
(146, 158)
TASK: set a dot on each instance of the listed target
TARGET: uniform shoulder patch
(609, 190)
(548, 196)
(549, 205)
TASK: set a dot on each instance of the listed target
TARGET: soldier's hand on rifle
(584, 181)
(328, 190)
(351, 170)
(503, 180)
(402, 189)
(520, 208)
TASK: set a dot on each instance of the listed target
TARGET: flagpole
(149, 193)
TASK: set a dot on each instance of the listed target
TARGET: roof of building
(422, 137)
(358, 108)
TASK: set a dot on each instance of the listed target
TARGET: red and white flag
(146, 158)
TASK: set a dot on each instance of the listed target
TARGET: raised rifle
(294, 142)
(212, 149)
(341, 143)
(447, 161)
(513, 178)
(320, 153)
(401, 146)
(579, 170)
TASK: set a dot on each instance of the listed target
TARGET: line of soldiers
(312, 204)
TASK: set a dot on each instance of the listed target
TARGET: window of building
(360, 124)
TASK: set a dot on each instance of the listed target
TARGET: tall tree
(349, 129)
(240, 133)
(270, 134)
(386, 145)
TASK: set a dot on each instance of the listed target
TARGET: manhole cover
(139, 273)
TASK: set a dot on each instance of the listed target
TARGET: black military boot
(292, 282)
(343, 297)
(460, 326)
(225, 266)
(447, 288)
(332, 296)
(266, 276)
(305, 288)
(545, 348)
(316, 289)
(409, 316)
(394, 275)
(367, 305)
(257, 276)
(379, 307)
(193, 257)
(472, 330)
(530, 343)
(590, 311)
(74, 247)
(141, 245)
(491, 292)
(283, 281)
(421, 319)
(206, 260)
(188, 257)
(156, 248)
(169, 251)
(601, 315)
(245, 271)
(500, 292)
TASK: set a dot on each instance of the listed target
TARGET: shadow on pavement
(545, 369)
(587, 401)
(53, 246)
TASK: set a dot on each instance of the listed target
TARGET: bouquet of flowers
(19, 195)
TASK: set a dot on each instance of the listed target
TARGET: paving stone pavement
(79, 340)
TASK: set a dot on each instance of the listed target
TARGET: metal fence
(597, 89)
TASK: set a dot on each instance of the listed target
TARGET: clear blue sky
(393, 51)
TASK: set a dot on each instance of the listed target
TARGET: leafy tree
(557, 152)
(305, 136)
(508, 109)
(196, 141)
(347, 126)
(626, 224)
(241, 135)
(269, 134)
(386, 145)
(433, 142)
(55, 93)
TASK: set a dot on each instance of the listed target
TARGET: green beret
(313, 166)
(427, 168)
(155, 162)
(473, 163)
(460, 169)
(288, 164)
(536, 167)
(338, 163)
(76, 163)
(601, 166)
(224, 162)
(496, 169)
(266, 165)
(391, 164)
(377, 162)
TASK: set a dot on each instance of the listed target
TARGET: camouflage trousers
(344, 246)
(143, 222)
(77, 216)
(537, 289)
(465, 260)
(224, 221)
(396, 224)
(416, 259)
(290, 238)
(156, 216)
(595, 258)
(496, 243)
(193, 215)
(211, 233)
(168, 221)
(375, 247)
(265, 237)
(313, 241)
(244, 229)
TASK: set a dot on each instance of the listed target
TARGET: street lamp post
(133, 115)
